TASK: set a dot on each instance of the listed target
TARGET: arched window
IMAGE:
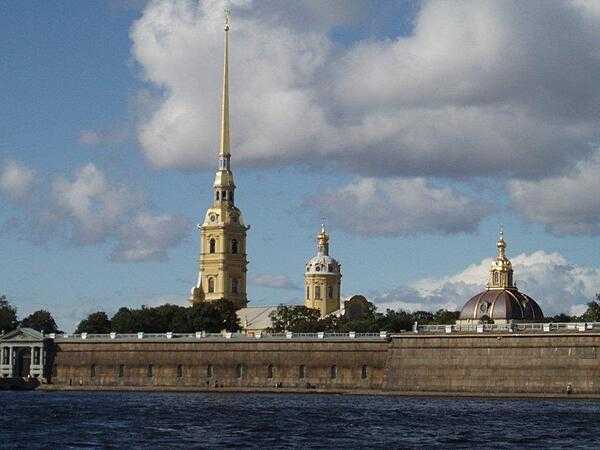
(240, 371)
(224, 195)
(231, 196)
(209, 371)
(334, 372)
(318, 292)
(301, 372)
(212, 245)
(270, 371)
(329, 291)
(93, 371)
(307, 292)
(217, 195)
(234, 246)
(234, 285)
(211, 285)
(179, 371)
(364, 373)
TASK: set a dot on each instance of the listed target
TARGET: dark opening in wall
(270, 371)
(240, 371)
(302, 372)
(364, 372)
(93, 371)
(334, 372)
(150, 372)
(210, 372)
(121, 371)
(179, 371)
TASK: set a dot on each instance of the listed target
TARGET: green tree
(8, 316)
(395, 321)
(41, 321)
(126, 320)
(445, 317)
(593, 312)
(296, 318)
(96, 323)
(213, 317)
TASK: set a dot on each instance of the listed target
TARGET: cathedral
(222, 263)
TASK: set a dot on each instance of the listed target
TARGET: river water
(196, 420)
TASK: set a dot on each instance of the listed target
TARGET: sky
(413, 129)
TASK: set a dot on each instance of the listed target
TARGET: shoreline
(365, 392)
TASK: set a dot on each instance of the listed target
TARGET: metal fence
(514, 327)
(201, 335)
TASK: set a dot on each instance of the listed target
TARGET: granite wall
(476, 364)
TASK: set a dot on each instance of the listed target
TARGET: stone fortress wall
(555, 363)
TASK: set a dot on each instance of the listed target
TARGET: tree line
(221, 315)
(40, 320)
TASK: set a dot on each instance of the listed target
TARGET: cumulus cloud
(479, 88)
(391, 207)
(555, 283)
(16, 181)
(87, 208)
(273, 281)
(568, 204)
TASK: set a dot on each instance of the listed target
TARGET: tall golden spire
(224, 149)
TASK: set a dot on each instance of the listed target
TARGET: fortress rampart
(491, 363)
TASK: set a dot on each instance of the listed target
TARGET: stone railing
(201, 335)
(509, 327)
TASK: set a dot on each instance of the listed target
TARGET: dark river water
(190, 420)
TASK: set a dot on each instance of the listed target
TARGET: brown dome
(502, 304)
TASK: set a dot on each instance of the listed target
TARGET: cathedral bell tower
(222, 269)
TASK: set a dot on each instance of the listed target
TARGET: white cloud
(17, 181)
(556, 284)
(479, 88)
(86, 208)
(148, 237)
(568, 204)
(273, 281)
(391, 207)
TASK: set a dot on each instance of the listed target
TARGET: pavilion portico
(23, 354)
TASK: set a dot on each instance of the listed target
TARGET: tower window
(329, 291)
(234, 246)
(211, 285)
(224, 195)
(217, 195)
(270, 371)
(307, 292)
(318, 292)
(212, 245)
(234, 285)
(231, 196)
(333, 372)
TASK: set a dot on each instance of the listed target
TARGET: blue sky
(414, 128)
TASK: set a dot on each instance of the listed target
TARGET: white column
(10, 361)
